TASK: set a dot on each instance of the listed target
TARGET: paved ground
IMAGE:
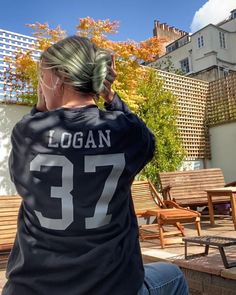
(151, 248)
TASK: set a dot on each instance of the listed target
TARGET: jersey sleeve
(16, 142)
(144, 136)
(117, 105)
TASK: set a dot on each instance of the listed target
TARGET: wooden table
(217, 194)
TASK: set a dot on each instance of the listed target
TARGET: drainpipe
(190, 60)
(218, 67)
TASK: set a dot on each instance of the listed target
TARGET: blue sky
(136, 17)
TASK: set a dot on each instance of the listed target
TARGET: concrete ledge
(229, 273)
(206, 275)
(156, 255)
(211, 264)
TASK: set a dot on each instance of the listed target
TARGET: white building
(208, 54)
(10, 43)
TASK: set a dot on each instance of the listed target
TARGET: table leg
(211, 209)
(222, 253)
(186, 249)
(233, 207)
(206, 249)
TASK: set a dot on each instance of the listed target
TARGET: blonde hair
(79, 63)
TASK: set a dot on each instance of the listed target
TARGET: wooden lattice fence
(192, 97)
(221, 103)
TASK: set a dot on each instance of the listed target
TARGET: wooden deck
(3, 260)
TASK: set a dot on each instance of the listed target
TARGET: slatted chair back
(145, 197)
(187, 188)
(9, 207)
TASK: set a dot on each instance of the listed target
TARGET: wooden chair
(187, 188)
(148, 202)
(9, 207)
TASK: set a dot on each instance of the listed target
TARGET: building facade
(10, 44)
(167, 33)
(208, 54)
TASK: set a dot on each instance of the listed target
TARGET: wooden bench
(9, 207)
(188, 188)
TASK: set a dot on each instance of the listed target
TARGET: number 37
(100, 217)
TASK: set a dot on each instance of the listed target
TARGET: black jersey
(77, 231)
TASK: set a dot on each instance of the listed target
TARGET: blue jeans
(163, 279)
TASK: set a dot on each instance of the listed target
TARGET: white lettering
(78, 140)
(102, 137)
(66, 143)
(50, 143)
(93, 139)
(90, 140)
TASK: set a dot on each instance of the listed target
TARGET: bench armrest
(166, 192)
(230, 184)
(171, 204)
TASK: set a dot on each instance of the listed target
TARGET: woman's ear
(58, 82)
(59, 85)
(59, 88)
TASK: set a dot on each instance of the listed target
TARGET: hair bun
(79, 62)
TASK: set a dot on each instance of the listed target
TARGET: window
(200, 41)
(169, 49)
(222, 39)
(233, 14)
(184, 64)
(172, 47)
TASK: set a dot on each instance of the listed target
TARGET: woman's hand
(108, 93)
(41, 103)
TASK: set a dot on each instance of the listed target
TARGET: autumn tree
(129, 55)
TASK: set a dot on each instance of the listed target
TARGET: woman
(73, 165)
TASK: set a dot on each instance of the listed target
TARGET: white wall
(231, 45)
(223, 149)
(189, 165)
(9, 115)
